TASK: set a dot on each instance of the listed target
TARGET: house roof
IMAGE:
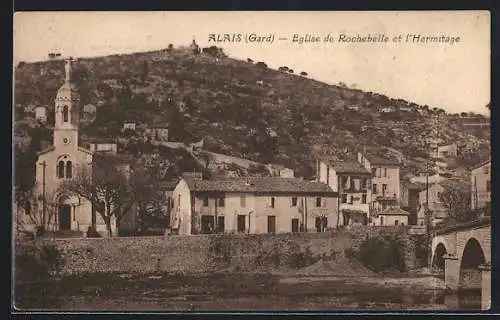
(168, 185)
(480, 164)
(394, 212)
(117, 158)
(349, 167)
(376, 160)
(48, 149)
(455, 184)
(413, 185)
(259, 184)
(98, 140)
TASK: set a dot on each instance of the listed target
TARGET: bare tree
(107, 188)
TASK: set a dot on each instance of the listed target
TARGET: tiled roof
(480, 164)
(376, 160)
(51, 148)
(259, 184)
(168, 185)
(349, 167)
(117, 158)
(413, 185)
(455, 184)
(394, 212)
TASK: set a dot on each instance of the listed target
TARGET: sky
(454, 77)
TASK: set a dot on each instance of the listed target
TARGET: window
(363, 199)
(241, 223)
(243, 201)
(171, 202)
(375, 191)
(318, 202)
(65, 114)
(205, 202)
(344, 198)
(353, 187)
(294, 201)
(486, 170)
(69, 169)
(178, 200)
(222, 202)
(272, 202)
(488, 186)
(363, 183)
(396, 222)
(351, 199)
(381, 220)
(271, 224)
(345, 182)
(374, 172)
(384, 189)
(60, 169)
(385, 172)
(295, 225)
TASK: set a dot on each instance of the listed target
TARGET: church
(64, 160)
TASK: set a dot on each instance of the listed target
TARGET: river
(243, 292)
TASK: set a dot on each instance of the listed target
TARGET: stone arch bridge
(463, 252)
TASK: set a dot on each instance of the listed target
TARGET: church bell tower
(67, 111)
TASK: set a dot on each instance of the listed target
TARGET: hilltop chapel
(61, 162)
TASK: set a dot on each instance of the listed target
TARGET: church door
(64, 217)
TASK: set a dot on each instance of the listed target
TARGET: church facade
(63, 161)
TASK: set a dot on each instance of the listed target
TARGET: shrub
(37, 262)
(300, 259)
(382, 254)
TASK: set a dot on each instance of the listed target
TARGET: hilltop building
(480, 176)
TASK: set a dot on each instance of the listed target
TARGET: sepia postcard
(251, 161)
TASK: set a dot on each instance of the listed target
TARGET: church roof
(48, 149)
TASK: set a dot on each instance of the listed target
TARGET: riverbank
(229, 291)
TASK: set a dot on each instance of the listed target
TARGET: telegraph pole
(44, 165)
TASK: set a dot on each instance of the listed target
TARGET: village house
(386, 109)
(100, 145)
(157, 132)
(432, 198)
(41, 114)
(280, 171)
(61, 162)
(352, 183)
(446, 150)
(129, 125)
(410, 192)
(385, 181)
(252, 205)
(392, 216)
(480, 179)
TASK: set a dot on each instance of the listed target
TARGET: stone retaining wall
(201, 253)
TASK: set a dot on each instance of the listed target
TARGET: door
(64, 217)
(220, 224)
(241, 223)
(295, 225)
(318, 224)
(271, 224)
(207, 224)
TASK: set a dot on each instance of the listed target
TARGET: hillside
(243, 108)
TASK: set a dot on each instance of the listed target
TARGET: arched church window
(69, 169)
(65, 114)
(60, 169)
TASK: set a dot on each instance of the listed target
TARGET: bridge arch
(439, 243)
(437, 261)
(473, 255)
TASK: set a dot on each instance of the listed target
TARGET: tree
(457, 203)
(107, 188)
(170, 47)
(177, 124)
(146, 179)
